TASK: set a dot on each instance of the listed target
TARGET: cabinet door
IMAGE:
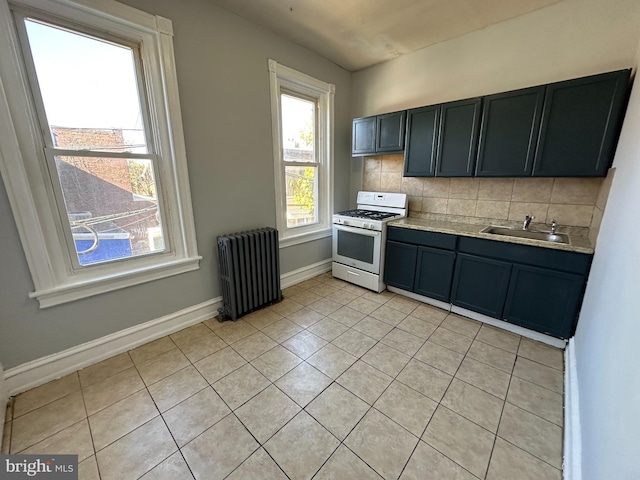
(544, 300)
(434, 273)
(400, 265)
(509, 133)
(480, 284)
(580, 125)
(364, 136)
(422, 137)
(390, 132)
(458, 138)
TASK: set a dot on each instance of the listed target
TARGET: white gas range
(359, 237)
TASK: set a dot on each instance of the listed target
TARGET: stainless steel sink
(531, 234)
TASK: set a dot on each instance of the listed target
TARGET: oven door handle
(359, 231)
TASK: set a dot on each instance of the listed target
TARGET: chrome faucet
(527, 221)
(554, 227)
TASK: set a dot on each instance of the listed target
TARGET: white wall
(570, 39)
(607, 340)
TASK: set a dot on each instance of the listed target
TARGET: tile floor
(333, 382)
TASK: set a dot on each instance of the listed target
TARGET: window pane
(302, 196)
(89, 90)
(112, 206)
(298, 129)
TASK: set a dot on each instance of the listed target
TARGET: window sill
(76, 291)
(305, 237)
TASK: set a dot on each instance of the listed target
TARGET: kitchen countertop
(579, 243)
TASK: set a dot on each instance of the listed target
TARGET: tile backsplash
(570, 201)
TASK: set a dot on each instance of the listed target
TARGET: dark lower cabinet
(400, 265)
(534, 287)
(434, 272)
(480, 284)
(544, 300)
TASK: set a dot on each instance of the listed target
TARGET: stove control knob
(370, 226)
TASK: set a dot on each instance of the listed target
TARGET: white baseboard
(4, 398)
(305, 273)
(430, 301)
(510, 327)
(525, 332)
(45, 369)
(572, 464)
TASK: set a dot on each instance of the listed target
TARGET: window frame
(24, 167)
(292, 82)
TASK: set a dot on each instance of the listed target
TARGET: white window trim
(297, 82)
(21, 157)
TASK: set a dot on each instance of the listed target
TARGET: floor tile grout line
(532, 454)
(450, 459)
(502, 413)
(444, 406)
(48, 436)
(358, 357)
(535, 414)
(538, 385)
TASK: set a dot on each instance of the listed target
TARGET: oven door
(357, 247)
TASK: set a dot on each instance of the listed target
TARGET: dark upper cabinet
(458, 138)
(378, 134)
(422, 137)
(390, 132)
(364, 136)
(480, 284)
(400, 264)
(434, 272)
(509, 133)
(580, 125)
(544, 300)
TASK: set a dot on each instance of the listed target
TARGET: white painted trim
(306, 237)
(436, 303)
(525, 332)
(4, 398)
(42, 370)
(305, 273)
(76, 291)
(54, 270)
(572, 464)
(281, 76)
(45, 369)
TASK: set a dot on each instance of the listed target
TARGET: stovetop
(368, 214)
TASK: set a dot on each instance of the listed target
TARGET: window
(94, 159)
(302, 120)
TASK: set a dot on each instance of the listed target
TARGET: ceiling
(356, 34)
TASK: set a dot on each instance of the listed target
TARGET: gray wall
(608, 334)
(224, 90)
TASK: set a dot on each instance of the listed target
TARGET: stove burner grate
(368, 214)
